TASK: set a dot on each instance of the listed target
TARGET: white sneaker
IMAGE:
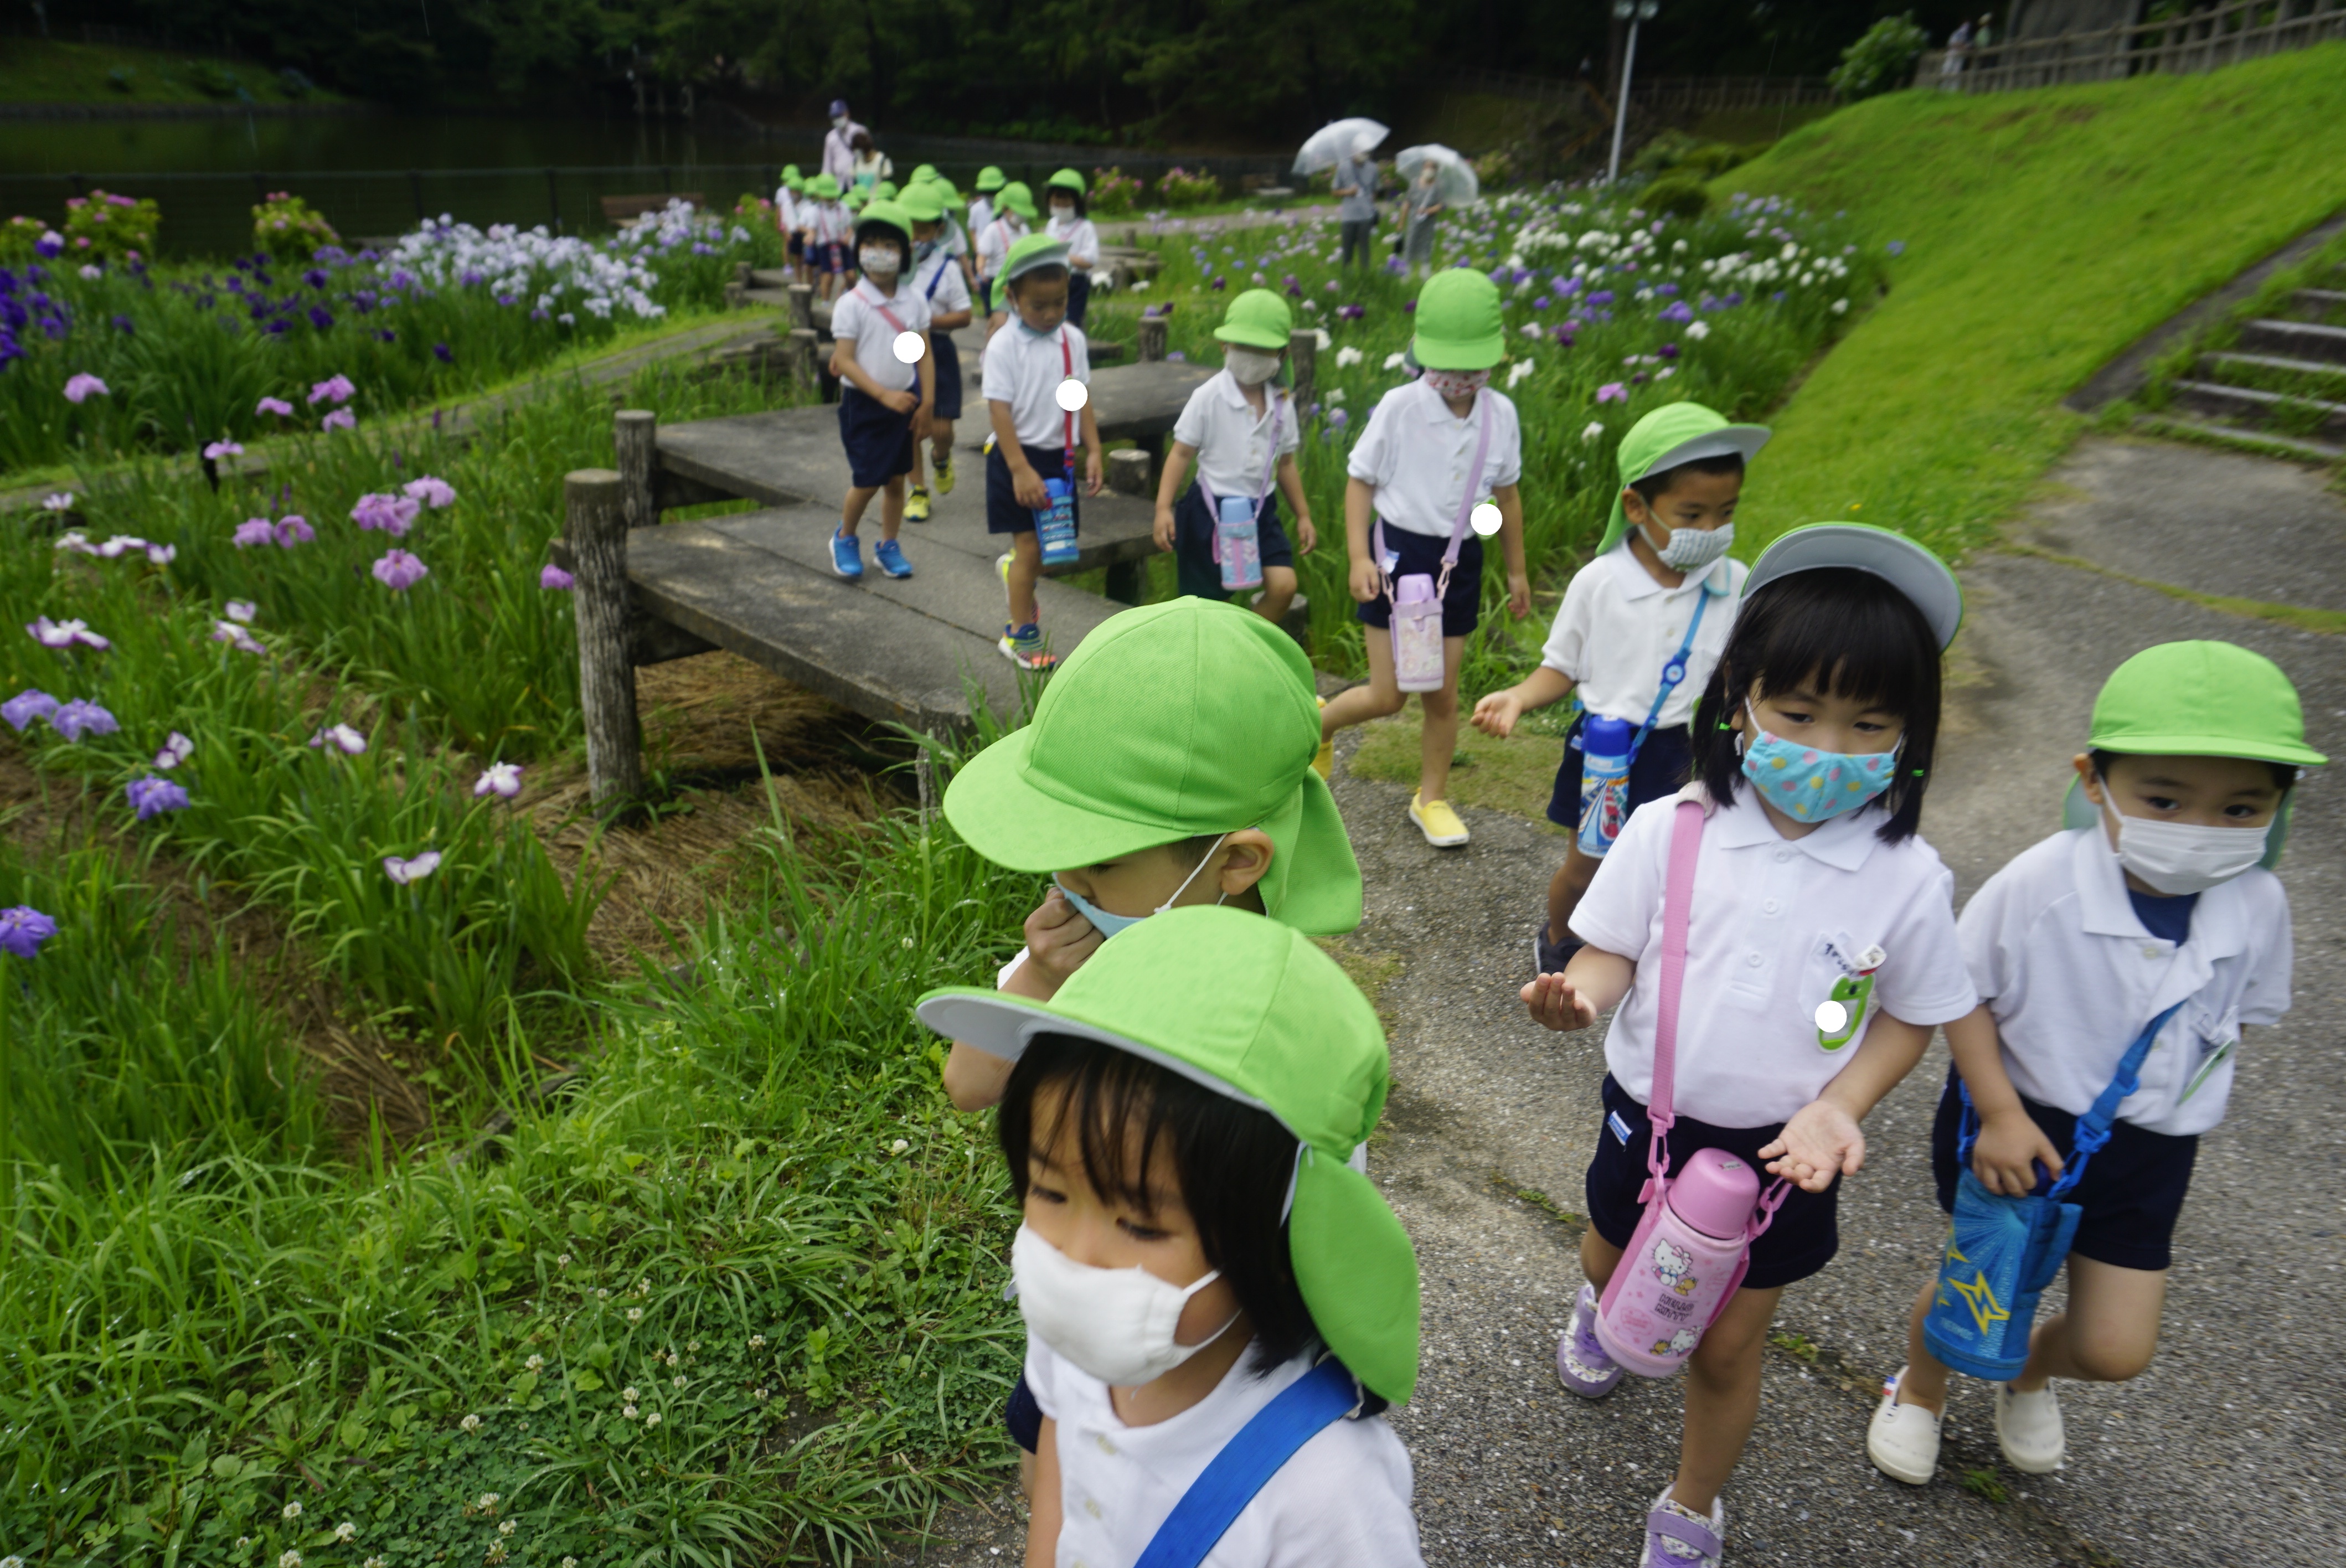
(1903, 1440)
(2028, 1427)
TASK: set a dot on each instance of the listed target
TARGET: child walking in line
(1036, 414)
(885, 399)
(828, 230)
(1071, 227)
(2177, 815)
(1167, 765)
(789, 198)
(937, 277)
(1219, 1307)
(981, 206)
(1637, 636)
(1819, 955)
(1239, 429)
(1014, 217)
(1435, 450)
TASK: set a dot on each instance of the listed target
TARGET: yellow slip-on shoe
(1323, 761)
(1438, 822)
(945, 474)
(916, 505)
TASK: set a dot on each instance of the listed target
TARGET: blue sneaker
(846, 556)
(891, 557)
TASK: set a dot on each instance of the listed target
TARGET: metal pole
(1621, 104)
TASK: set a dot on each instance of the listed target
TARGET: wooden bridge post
(1303, 349)
(805, 354)
(635, 432)
(802, 305)
(595, 525)
(1150, 338)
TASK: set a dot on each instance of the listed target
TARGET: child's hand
(1519, 595)
(1307, 537)
(1820, 1142)
(1553, 1001)
(1027, 486)
(1058, 939)
(902, 402)
(1095, 475)
(2005, 1158)
(1497, 713)
(1367, 581)
(1163, 530)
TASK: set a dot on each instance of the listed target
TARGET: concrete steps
(2280, 387)
(2290, 446)
(2270, 410)
(2294, 339)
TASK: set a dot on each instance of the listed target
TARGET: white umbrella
(1332, 142)
(1453, 177)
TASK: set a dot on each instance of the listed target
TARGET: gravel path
(2223, 1443)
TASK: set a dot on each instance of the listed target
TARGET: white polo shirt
(856, 318)
(1078, 235)
(786, 209)
(1025, 372)
(940, 284)
(829, 223)
(993, 243)
(1344, 1497)
(1233, 446)
(1617, 628)
(1416, 453)
(1769, 915)
(2059, 956)
(981, 213)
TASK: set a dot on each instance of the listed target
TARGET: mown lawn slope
(2043, 231)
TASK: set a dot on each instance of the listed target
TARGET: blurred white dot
(1486, 518)
(1832, 1017)
(1072, 394)
(909, 346)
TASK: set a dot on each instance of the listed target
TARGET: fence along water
(2174, 46)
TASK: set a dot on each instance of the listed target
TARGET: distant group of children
(1219, 1303)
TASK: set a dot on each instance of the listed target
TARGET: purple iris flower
(1897, 248)
(411, 871)
(23, 929)
(444, 354)
(152, 797)
(394, 515)
(79, 717)
(1677, 311)
(83, 385)
(26, 706)
(399, 571)
(253, 531)
(177, 749)
(124, 325)
(1667, 350)
(555, 578)
(340, 419)
(432, 491)
(1602, 296)
(293, 529)
(321, 318)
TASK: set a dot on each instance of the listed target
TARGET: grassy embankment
(54, 71)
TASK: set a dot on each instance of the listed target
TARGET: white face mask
(2183, 857)
(1692, 550)
(1117, 1324)
(1062, 212)
(1250, 367)
(880, 260)
(840, 122)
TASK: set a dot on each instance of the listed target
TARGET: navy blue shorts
(1462, 606)
(1024, 1416)
(1196, 575)
(1079, 295)
(1003, 515)
(797, 247)
(1659, 768)
(878, 438)
(948, 373)
(2132, 1192)
(831, 257)
(1800, 1241)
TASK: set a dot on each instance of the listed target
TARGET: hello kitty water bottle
(1690, 1253)
(1417, 634)
(1238, 543)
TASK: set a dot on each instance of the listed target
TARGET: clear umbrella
(1332, 142)
(1453, 177)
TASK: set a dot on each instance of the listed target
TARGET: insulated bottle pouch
(1055, 525)
(1693, 1245)
(1606, 748)
(1237, 522)
(1429, 607)
(1417, 634)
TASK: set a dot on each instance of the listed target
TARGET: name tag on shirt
(1620, 1128)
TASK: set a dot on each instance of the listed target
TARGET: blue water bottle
(1603, 781)
(1055, 525)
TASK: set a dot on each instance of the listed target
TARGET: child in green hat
(1013, 220)
(2176, 818)
(1071, 227)
(1197, 1263)
(1637, 636)
(982, 206)
(790, 216)
(882, 354)
(829, 226)
(1434, 471)
(943, 289)
(1239, 428)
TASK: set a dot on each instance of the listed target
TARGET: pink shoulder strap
(1678, 906)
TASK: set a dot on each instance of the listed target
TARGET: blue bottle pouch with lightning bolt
(2002, 1252)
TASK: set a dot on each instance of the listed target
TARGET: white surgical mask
(1251, 367)
(1117, 1324)
(838, 122)
(1063, 210)
(2184, 857)
(1692, 550)
(879, 260)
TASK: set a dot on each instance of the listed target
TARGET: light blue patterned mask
(1109, 925)
(1809, 784)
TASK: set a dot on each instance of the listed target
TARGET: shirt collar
(1438, 411)
(2219, 926)
(1842, 842)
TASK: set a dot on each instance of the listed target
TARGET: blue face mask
(1109, 925)
(1034, 332)
(1809, 784)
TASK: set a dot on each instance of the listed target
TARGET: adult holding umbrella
(1344, 146)
(1436, 179)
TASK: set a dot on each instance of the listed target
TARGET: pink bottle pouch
(1693, 1245)
(1416, 599)
(1241, 566)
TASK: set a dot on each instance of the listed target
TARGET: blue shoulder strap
(1675, 671)
(1247, 1463)
(2093, 1128)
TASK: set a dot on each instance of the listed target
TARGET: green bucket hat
(1459, 325)
(792, 179)
(1067, 179)
(1251, 1009)
(1028, 253)
(1674, 434)
(854, 200)
(926, 173)
(880, 213)
(1018, 199)
(945, 191)
(1897, 560)
(825, 186)
(989, 178)
(884, 192)
(923, 204)
(1189, 717)
(1257, 319)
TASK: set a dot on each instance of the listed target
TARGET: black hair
(1231, 1163)
(1057, 269)
(1655, 485)
(860, 142)
(887, 229)
(2284, 774)
(1856, 636)
(1082, 207)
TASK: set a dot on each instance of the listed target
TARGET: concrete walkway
(2220, 1453)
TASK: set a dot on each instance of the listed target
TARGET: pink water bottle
(1417, 634)
(1690, 1253)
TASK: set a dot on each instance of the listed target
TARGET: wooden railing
(1661, 95)
(2176, 46)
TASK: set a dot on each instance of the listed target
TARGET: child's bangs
(1844, 633)
(1116, 1106)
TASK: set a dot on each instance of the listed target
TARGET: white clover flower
(635, 1314)
(652, 1420)
(678, 1381)
(562, 1260)
(507, 1528)
(291, 1511)
(471, 1423)
(570, 1563)
(630, 1395)
(692, 1347)
(534, 1363)
(758, 1394)
(289, 1559)
(757, 1341)
(626, 1412)
(375, 1562)
(489, 1501)
(899, 1146)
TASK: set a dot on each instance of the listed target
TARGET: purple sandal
(1581, 1364)
(1676, 1539)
